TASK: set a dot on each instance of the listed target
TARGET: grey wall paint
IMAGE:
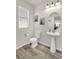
(20, 38)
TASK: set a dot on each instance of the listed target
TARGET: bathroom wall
(23, 35)
(42, 12)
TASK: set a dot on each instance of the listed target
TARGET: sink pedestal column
(53, 38)
(53, 48)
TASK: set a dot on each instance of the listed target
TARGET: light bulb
(52, 5)
(59, 3)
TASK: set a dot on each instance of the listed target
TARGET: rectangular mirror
(42, 21)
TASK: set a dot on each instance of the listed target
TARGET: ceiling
(40, 2)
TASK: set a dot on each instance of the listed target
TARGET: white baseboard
(49, 46)
(22, 45)
(44, 44)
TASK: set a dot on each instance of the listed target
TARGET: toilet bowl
(34, 40)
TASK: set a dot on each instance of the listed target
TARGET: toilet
(34, 40)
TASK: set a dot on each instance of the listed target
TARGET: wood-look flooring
(40, 52)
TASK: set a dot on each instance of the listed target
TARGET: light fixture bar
(52, 4)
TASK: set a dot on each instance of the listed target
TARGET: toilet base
(33, 42)
(33, 46)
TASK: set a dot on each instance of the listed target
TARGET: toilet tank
(37, 34)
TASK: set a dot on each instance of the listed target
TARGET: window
(23, 17)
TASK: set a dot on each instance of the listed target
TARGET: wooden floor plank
(40, 52)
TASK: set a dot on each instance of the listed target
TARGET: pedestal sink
(53, 36)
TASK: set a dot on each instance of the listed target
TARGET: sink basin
(53, 33)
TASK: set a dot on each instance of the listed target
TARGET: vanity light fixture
(52, 5)
(47, 6)
(58, 2)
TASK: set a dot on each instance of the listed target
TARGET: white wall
(20, 38)
(41, 11)
(45, 39)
